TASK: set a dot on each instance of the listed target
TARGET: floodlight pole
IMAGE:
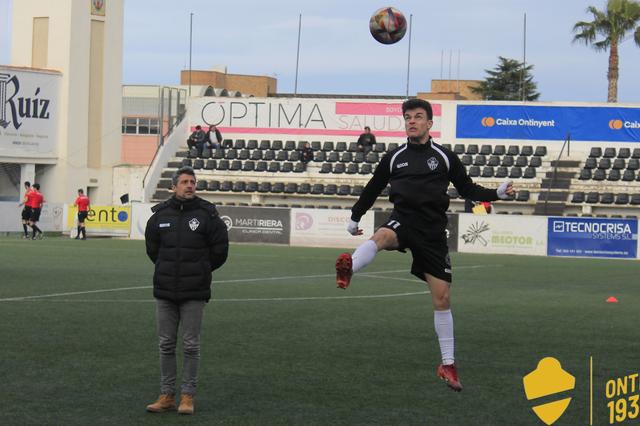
(409, 54)
(524, 59)
(190, 48)
(295, 87)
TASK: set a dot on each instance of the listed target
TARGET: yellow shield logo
(546, 380)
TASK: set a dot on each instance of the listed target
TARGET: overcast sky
(338, 55)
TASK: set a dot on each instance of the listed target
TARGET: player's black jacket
(186, 240)
(419, 176)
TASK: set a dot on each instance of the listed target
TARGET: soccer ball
(388, 25)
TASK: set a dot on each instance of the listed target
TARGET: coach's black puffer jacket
(186, 240)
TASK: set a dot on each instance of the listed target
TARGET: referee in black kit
(419, 173)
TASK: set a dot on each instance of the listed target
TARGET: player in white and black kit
(418, 173)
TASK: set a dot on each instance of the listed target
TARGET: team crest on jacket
(193, 224)
(432, 163)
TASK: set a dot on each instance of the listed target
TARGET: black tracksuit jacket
(419, 176)
(186, 240)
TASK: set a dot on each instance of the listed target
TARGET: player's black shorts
(82, 216)
(35, 215)
(26, 213)
(430, 251)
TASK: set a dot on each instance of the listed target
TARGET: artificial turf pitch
(281, 345)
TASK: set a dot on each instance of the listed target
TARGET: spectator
(366, 140)
(214, 137)
(306, 153)
(196, 140)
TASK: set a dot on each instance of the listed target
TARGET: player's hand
(352, 228)
(505, 190)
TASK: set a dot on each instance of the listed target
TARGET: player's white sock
(443, 321)
(363, 255)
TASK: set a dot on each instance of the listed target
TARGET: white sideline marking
(244, 280)
(268, 299)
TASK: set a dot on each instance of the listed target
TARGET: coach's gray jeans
(169, 316)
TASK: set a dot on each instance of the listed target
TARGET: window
(140, 126)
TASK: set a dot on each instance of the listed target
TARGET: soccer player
(35, 200)
(83, 205)
(26, 211)
(419, 173)
(187, 241)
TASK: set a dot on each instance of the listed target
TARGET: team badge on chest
(193, 224)
(432, 163)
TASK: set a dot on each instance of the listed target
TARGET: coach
(186, 240)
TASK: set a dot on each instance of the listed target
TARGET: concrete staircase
(555, 188)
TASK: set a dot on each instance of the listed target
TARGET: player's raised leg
(347, 264)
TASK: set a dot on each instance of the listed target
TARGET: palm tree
(613, 24)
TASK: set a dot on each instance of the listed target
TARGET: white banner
(51, 217)
(502, 234)
(327, 228)
(318, 117)
(28, 112)
(140, 214)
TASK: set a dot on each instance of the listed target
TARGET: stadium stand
(595, 179)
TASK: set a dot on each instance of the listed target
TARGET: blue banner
(611, 124)
(592, 237)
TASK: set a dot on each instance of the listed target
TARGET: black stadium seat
(252, 144)
(304, 188)
(595, 152)
(622, 199)
(287, 167)
(282, 156)
(226, 186)
(341, 146)
(540, 151)
(238, 186)
(248, 166)
(274, 167)
(327, 146)
(277, 188)
(599, 174)
(290, 145)
(535, 162)
(344, 190)
(265, 144)
(264, 187)
(251, 187)
(527, 151)
(276, 145)
(513, 150)
(499, 150)
(291, 188)
(624, 153)
(577, 197)
(213, 185)
(609, 152)
(486, 150)
(472, 149)
(201, 185)
(317, 189)
(628, 175)
(593, 197)
(523, 195)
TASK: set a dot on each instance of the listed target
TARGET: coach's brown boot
(164, 403)
(186, 404)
